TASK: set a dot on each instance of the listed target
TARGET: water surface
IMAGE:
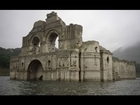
(15, 87)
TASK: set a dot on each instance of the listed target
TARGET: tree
(5, 55)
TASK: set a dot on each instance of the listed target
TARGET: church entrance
(35, 70)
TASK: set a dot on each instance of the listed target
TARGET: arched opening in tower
(56, 43)
(36, 44)
(53, 42)
(35, 70)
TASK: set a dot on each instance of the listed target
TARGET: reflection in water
(14, 87)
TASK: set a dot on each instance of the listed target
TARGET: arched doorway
(35, 70)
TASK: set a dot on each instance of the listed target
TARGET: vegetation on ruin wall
(5, 55)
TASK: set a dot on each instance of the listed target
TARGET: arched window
(53, 41)
(36, 45)
(36, 41)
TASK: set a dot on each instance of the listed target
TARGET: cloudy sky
(111, 28)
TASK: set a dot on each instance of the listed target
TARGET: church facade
(73, 60)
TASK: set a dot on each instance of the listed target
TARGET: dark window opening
(49, 63)
(53, 40)
(96, 49)
(22, 64)
(107, 59)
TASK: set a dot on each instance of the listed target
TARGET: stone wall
(90, 61)
(123, 69)
(106, 64)
(61, 65)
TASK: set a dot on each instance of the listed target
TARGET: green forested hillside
(5, 55)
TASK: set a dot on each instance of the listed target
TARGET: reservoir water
(15, 87)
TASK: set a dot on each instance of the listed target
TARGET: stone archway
(35, 45)
(52, 41)
(35, 70)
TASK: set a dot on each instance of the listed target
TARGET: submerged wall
(123, 69)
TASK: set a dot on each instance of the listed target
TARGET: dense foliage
(5, 55)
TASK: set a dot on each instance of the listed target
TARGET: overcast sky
(111, 28)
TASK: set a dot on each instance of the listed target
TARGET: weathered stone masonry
(73, 60)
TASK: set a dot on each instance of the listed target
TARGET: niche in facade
(36, 41)
(49, 64)
(36, 44)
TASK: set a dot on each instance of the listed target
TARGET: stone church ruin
(73, 60)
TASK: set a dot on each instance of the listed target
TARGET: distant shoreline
(4, 72)
(137, 74)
